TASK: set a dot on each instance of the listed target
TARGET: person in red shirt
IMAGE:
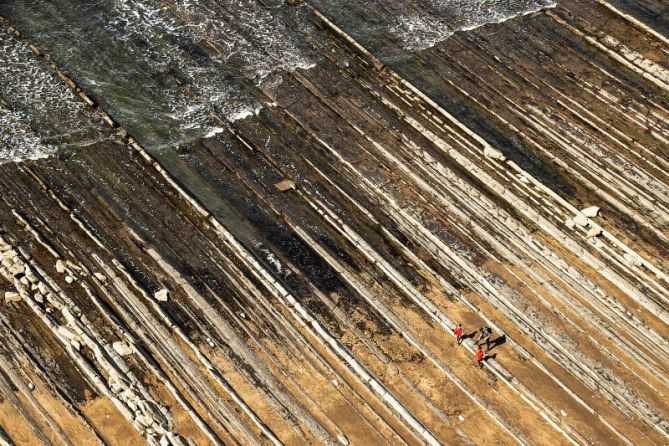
(480, 356)
(457, 331)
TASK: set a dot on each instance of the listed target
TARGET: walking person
(484, 335)
(480, 356)
(457, 331)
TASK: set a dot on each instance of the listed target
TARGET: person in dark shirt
(484, 336)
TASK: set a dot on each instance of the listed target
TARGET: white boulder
(590, 212)
(594, 232)
(11, 296)
(60, 266)
(68, 333)
(41, 286)
(8, 255)
(162, 295)
(18, 270)
(581, 220)
(493, 153)
(285, 185)
(632, 260)
(122, 348)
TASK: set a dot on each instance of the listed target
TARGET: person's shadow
(496, 342)
(467, 335)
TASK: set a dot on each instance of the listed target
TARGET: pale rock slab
(285, 185)
(591, 212)
(493, 153)
(122, 348)
(162, 295)
(594, 232)
(11, 296)
(581, 220)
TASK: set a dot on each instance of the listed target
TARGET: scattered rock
(122, 348)
(39, 297)
(162, 295)
(30, 276)
(8, 255)
(342, 439)
(31, 386)
(73, 266)
(461, 418)
(68, 333)
(594, 232)
(285, 185)
(11, 296)
(52, 300)
(18, 270)
(60, 266)
(591, 211)
(563, 413)
(632, 260)
(493, 153)
(129, 395)
(101, 277)
(143, 420)
(69, 279)
(581, 220)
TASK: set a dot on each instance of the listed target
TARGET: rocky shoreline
(293, 278)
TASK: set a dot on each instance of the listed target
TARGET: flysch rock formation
(294, 276)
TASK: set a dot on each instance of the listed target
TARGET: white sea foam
(38, 113)
(214, 131)
(17, 141)
(432, 21)
(242, 39)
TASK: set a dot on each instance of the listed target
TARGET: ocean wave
(38, 113)
(212, 47)
(436, 20)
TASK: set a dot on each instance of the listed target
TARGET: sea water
(163, 68)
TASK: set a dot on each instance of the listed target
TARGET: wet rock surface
(259, 222)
